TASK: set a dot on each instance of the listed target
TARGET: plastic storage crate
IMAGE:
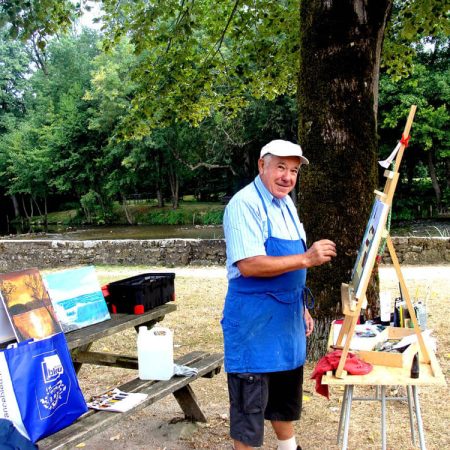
(140, 293)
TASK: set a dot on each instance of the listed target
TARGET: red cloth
(353, 365)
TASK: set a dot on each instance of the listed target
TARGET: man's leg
(248, 400)
(283, 430)
(241, 446)
(284, 405)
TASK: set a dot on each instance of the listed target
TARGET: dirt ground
(200, 293)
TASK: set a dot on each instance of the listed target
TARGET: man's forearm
(270, 266)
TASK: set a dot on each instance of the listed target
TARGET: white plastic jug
(155, 353)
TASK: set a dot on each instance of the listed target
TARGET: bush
(213, 217)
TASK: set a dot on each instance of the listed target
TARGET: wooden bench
(95, 421)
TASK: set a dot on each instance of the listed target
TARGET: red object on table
(353, 365)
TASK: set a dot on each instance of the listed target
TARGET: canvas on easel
(353, 294)
(362, 269)
(28, 305)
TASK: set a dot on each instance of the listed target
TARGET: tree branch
(193, 167)
(222, 37)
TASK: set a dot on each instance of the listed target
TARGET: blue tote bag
(39, 389)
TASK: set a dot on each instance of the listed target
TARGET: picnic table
(94, 421)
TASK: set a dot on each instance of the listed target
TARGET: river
(418, 229)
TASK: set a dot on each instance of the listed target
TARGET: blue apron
(263, 323)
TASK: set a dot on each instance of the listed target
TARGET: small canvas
(27, 305)
(369, 246)
(77, 297)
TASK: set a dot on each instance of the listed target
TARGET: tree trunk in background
(45, 214)
(340, 51)
(160, 198)
(174, 187)
(434, 180)
(127, 212)
(16, 206)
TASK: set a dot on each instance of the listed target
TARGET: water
(418, 229)
(129, 232)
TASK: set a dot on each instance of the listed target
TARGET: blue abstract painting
(76, 297)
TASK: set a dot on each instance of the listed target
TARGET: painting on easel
(369, 246)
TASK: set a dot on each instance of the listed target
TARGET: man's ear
(261, 165)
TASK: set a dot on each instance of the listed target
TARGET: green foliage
(203, 56)
(121, 122)
(42, 18)
(14, 70)
(213, 217)
(428, 87)
(412, 21)
(186, 216)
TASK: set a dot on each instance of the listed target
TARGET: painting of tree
(28, 305)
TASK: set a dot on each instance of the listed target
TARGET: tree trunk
(15, 205)
(174, 187)
(127, 212)
(45, 214)
(160, 198)
(37, 205)
(434, 180)
(340, 51)
(24, 208)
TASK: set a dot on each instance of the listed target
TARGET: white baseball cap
(278, 147)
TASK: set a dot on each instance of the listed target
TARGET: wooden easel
(351, 305)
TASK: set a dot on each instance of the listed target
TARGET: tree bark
(159, 197)
(174, 187)
(127, 212)
(16, 206)
(45, 214)
(434, 180)
(340, 51)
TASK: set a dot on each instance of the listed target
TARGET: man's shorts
(258, 396)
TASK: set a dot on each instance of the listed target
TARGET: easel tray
(384, 358)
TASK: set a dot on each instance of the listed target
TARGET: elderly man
(265, 322)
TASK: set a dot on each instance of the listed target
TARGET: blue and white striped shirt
(245, 223)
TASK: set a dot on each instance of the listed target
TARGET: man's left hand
(309, 323)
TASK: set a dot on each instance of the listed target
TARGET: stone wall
(21, 254)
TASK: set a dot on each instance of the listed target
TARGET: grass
(145, 213)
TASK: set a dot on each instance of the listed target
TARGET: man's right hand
(320, 252)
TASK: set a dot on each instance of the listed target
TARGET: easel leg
(383, 417)
(411, 414)
(419, 418)
(423, 347)
(348, 407)
(342, 415)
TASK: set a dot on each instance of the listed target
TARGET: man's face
(279, 174)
